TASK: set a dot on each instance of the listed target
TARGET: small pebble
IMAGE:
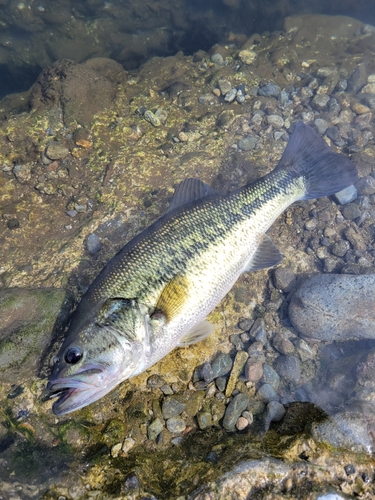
(176, 425)
(115, 450)
(275, 120)
(242, 423)
(161, 114)
(340, 248)
(171, 407)
(253, 370)
(267, 393)
(152, 118)
(206, 372)
(221, 365)
(245, 324)
(284, 278)
(204, 420)
(166, 389)
(154, 429)
(234, 409)
(206, 99)
(269, 90)
(258, 331)
(346, 195)
(247, 56)
(288, 368)
(320, 101)
(155, 381)
(247, 143)
(22, 173)
(225, 86)
(218, 59)
(351, 211)
(55, 151)
(127, 445)
(231, 95)
(221, 383)
(93, 244)
(275, 411)
(270, 377)
(321, 126)
(238, 365)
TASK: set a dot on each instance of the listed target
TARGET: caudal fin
(324, 171)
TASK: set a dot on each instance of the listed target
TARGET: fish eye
(73, 355)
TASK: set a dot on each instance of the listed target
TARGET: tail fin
(324, 171)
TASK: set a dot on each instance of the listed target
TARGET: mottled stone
(340, 248)
(221, 365)
(275, 120)
(247, 56)
(282, 344)
(238, 365)
(321, 125)
(225, 86)
(93, 243)
(351, 211)
(247, 143)
(267, 393)
(269, 90)
(320, 101)
(288, 368)
(284, 278)
(270, 376)
(218, 59)
(56, 151)
(234, 409)
(171, 407)
(22, 173)
(204, 420)
(206, 372)
(346, 306)
(152, 118)
(176, 425)
(258, 331)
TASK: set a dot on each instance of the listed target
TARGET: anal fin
(267, 255)
(196, 334)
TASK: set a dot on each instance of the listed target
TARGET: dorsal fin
(189, 190)
(267, 255)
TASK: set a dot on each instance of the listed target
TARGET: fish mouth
(74, 392)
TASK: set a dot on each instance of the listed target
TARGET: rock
(288, 368)
(152, 118)
(253, 370)
(346, 195)
(340, 248)
(284, 278)
(22, 173)
(93, 243)
(270, 376)
(351, 211)
(231, 95)
(275, 120)
(255, 351)
(154, 429)
(28, 319)
(266, 393)
(258, 331)
(162, 115)
(238, 365)
(221, 365)
(346, 430)
(335, 307)
(269, 90)
(242, 423)
(282, 344)
(320, 101)
(204, 419)
(171, 407)
(247, 56)
(358, 78)
(207, 373)
(218, 59)
(56, 151)
(274, 413)
(81, 90)
(176, 425)
(127, 445)
(234, 409)
(225, 86)
(321, 125)
(247, 143)
(245, 324)
(366, 185)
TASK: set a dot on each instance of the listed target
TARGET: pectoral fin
(198, 333)
(173, 297)
(267, 255)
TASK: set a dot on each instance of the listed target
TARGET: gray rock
(270, 376)
(347, 430)
(221, 383)
(231, 95)
(258, 331)
(166, 389)
(275, 412)
(234, 409)
(93, 243)
(28, 319)
(162, 115)
(340, 248)
(154, 429)
(284, 278)
(275, 120)
(22, 173)
(283, 97)
(221, 365)
(218, 59)
(255, 351)
(333, 133)
(204, 419)
(171, 407)
(176, 425)
(366, 185)
(206, 372)
(269, 90)
(335, 307)
(267, 393)
(282, 344)
(320, 101)
(351, 211)
(55, 151)
(247, 143)
(358, 78)
(155, 381)
(288, 368)
(206, 99)
(346, 195)
(321, 125)
(225, 86)
(245, 324)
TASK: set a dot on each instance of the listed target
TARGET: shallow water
(78, 158)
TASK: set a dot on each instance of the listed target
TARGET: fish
(157, 291)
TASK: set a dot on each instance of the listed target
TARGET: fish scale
(156, 292)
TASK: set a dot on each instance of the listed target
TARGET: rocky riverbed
(279, 399)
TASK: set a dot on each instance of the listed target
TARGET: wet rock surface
(88, 180)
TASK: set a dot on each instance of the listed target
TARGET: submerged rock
(27, 319)
(335, 307)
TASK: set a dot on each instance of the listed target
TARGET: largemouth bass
(156, 292)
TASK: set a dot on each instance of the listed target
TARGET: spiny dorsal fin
(267, 255)
(189, 190)
(173, 297)
(198, 333)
